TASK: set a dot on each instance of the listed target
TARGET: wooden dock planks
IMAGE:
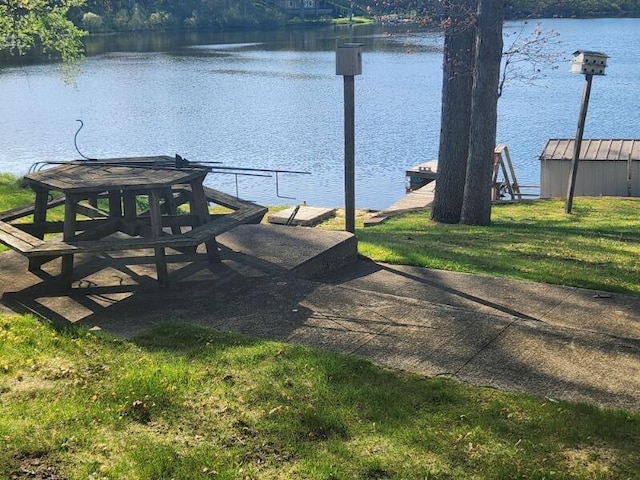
(415, 200)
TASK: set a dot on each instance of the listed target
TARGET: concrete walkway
(550, 341)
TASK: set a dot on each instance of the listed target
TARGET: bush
(138, 19)
(161, 19)
(92, 22)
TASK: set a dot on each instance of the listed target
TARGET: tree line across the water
(56, 27)
(136, 15)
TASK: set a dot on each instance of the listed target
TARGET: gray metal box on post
(349, 59)
(588, 62)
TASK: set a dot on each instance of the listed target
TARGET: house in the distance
(305, 8)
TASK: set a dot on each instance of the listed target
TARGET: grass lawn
(186, 402)
(11, 195)
(597, 246)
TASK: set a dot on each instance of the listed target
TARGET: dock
(422, 174)
(422, 183)
(422, 187)
(414, 200)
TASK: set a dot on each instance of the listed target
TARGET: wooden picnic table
(106, 194)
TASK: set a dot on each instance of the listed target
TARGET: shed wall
(595, 178)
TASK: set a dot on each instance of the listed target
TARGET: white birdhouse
(589, 63)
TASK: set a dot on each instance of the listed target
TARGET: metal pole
(349, 154)
(578, 143)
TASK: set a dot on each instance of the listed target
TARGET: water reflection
(374, 37)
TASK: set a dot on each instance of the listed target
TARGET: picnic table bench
(106, 194)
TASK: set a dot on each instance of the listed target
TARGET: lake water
(272, 100)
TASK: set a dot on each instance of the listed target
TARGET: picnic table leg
(129, 201)
(39, 219)
(69, 232)
(115, 203)
(199, 206)
(40, 210)
(171, 208)
(156, 230)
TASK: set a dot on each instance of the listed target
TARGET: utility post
(349, 64)
(590, 64)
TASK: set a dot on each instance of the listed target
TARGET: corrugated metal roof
(592, 149)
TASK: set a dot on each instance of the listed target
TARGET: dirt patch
(35, 467)
(590, 459)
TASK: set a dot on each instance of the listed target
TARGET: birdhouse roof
(591, 53)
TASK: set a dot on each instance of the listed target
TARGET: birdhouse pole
(349, 64)
(589, 64)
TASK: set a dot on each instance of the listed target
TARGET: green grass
(187, 402)
(11, 194)
(360, 20)
(597, 246)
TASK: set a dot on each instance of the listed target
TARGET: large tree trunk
(476, 206)
(457, 83)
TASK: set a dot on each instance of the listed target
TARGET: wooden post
(39, 220)
(349, 153)
(69, 232)
(199, 207)
(115, 204)
(578, 143)
(156, 230)
(40, 210)
(171, 209)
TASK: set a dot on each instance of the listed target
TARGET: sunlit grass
(187, 402)
(598, 246)
(360, 20)
(11, 193)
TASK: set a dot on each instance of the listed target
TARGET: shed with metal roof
(607, 167)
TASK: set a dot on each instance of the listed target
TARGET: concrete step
(304, 252)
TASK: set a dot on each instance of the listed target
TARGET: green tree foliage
(25, 24)
(570, 8)
(128, 15)
(513, 9)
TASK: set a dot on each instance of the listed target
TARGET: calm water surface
(272, 100)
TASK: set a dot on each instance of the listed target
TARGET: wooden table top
(79, 177)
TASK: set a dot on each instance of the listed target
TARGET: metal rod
(278, 190)
(204, 163)
(169, 165)
(244, 174)
(260, 170)
(293, 215)
(96, 163)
